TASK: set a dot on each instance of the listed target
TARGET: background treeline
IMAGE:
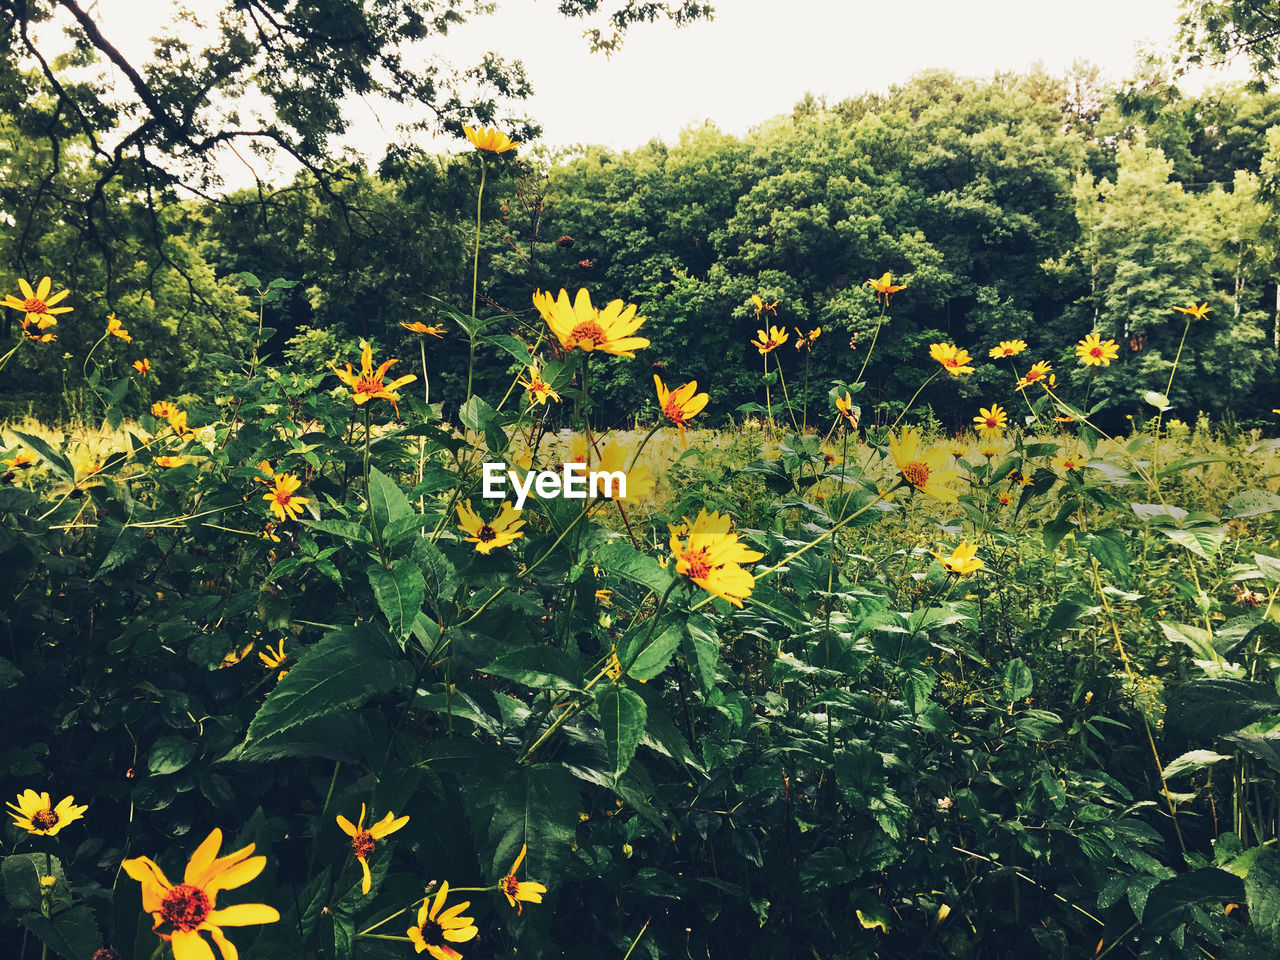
(1028, 206)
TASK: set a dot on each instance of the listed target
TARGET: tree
(1213, 31)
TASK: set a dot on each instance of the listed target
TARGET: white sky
(753, 61)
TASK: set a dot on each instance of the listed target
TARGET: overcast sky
(754, 60)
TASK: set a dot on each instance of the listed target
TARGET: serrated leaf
(1262, 894)
(56, 462)
(72, 934)
(622, 716)
(704, 655)
(387, 501)
(623, 560)
(347, 667)
(1269, 566)
(1016, 680)
(1202, 541)
(655, 656)
(1192, 761)
(1251, 503)
(400, 592)
(538, 666)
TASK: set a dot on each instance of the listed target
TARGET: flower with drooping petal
(169, 462)
(502, 532)
(527, 891)
(1197, 313)
(956, 362)
(1007, 348)
(274, 658)
(580, 326)
(885, 287)
(36, 305)
(438, 928)
(36, 814)
(682, 403)
(769, 341)
(758, 302)
(1093, 352)
(990, 420)
(363, 841)
(235, 656)
(368, 384)
(923, 468)
(805, 341)
(849, 410)
(710, 555)
(116, 329)
(419, 327)
(538, 389)
(1037, 374)
(962, 560)
(143, 366)
(283, 498)
(490, 140)
(186, 908)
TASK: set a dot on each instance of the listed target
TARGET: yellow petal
(244, 915)
(189, 945)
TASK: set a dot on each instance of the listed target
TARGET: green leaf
(653, 659)
(70, 933)
(1108, 547)
(9, 674)
(1197, 638)
(705, 653)
(170, 754)
(1202, 541)
(343, 529)
(1016, 680)
(247, 279)
(1262, 894)
(386, 500)
(623, 560)
(622, 715)
(400, 592)
(347, 667)
(56, 462)
(1170, 900)
(1192, 761)
(1251, 503)
(1206, 708)
(535, 804)
(538, 666)
(439, 573)
(21, 875)
(1269, 566)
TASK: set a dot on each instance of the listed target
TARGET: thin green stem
(913, 399)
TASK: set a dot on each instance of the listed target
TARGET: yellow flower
(847, 410)
(265, 468)
(163, 410)
(491, 140)
(962, 560)
(761, 306)
(709, 555)
(955, 361)
(285, 503)
(803, 341)
(235, 656)
(368, 384)
(502, 532)
(419, 327)
(169, 462)
(990, 420)
(516, 891)
(116, 329)
(616, 457)
(19, 461)
(36, 305)
(48, 883)
(143, 366)
(680, 404)
(1039, 370)
(1093, 352)
(1008, 348)
(1067, 461)
(581, 326)
(363, 841)
(274, 659)
(437, 929)
(539, 390)
(770, 341)
(922, 468)
(884, 287)
(37, 815)
(1198, 313)
(189, 907)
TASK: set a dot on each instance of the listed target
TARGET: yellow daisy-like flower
(169, 462)
(538, 389)
(848, 410)
(419, 327)
(616, 457)
(186, 908)
(758, 302)
(36, 814)
(517, 891)
(885, 287)
(682, 403)
(19, 461)
(274, 658)
(1007, 348)
(923, 468)
(580, 326)
(285, 503)
(769, 341)
(1093, 352)
(368, 383)
(163, 410)
(1198, 313)
(962, 560)
(1038, 372)
(710, 555)
(116, 329)
(502, 532)
(955, 361)
(1068, 461)
(143, 366)
(438, 928)
(363, 841)
(36, 305)
(990, 420)
(491, 140)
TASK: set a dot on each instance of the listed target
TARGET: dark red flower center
(1096, 352)
(185, 906)
(699, 564)
(35, 305)
(44, 819)
(362, 844)
(917, 474)
(510, 885)
(487, 534)
(590, 332)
